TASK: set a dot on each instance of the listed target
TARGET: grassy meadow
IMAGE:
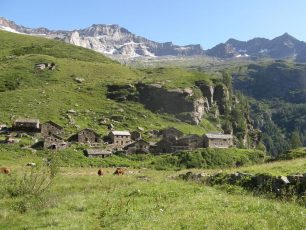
(143, 199)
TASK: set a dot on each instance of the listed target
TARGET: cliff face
(185, 104)
(179, 102)
(193, 104)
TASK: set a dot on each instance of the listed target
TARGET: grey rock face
(159, 99)
(108, 39)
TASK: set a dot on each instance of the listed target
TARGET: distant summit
(282, 47)
(118, 42)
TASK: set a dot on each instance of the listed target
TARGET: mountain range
(116, 41)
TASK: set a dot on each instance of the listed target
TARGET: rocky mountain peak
(112, 40)
(118, 42)
(282, 47)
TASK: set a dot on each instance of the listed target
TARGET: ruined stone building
(218, 140)
(189, 142)
(50, 128)
(161, 147)
(139, 146)
(55, 142)
(88, 136)
(171, 133)
(120, 138)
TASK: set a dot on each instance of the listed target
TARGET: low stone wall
(281, 186)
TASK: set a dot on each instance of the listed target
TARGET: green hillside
(276, 92)
(26, 92)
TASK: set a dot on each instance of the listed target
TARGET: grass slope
(46, 95)
(81, 200)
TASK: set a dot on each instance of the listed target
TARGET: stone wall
(280, 186)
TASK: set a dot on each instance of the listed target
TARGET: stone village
(169, 140)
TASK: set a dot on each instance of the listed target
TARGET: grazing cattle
(119, 171)
(5, 170)
(100, 172)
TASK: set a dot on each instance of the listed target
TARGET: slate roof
(121, 133)
(26, 120)
(218, 136)
(90, 130)
(54, 124)
(97, 152)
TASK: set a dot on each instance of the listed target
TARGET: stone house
(55, 142)
(218, 140)
(88, 136)
(26, 125)
(192, 141)
(102, 153)
(120, 138)
(139, 146)
(171, 133)
(161, 147)
(51, 128)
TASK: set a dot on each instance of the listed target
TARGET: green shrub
(32, 183)
(292, 154)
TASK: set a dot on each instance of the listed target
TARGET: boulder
(79, 80)
(284, 180)
(71, 111)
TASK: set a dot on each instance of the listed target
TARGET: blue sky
(205, 22)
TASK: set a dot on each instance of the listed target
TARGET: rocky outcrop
(179, 102)
(207, 91)
(221, 97)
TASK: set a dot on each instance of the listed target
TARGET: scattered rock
(140, 129)
(71, 111)
(144, 178)
(79, 80)
(284, 179)
(193, 176)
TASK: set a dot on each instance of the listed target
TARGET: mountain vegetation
(277, 96)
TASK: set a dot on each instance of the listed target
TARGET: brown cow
(119, 171)
(100, 172)
(5, 170)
